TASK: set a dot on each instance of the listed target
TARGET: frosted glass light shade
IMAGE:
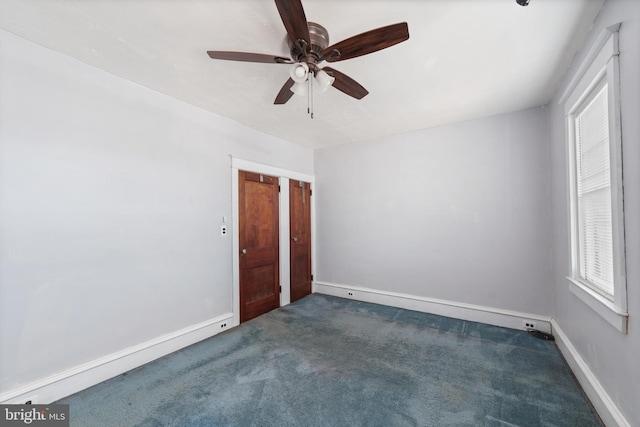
(300, 88)
(299, 72)
(324, 80)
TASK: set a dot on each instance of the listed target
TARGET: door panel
(258, 283)
(300, 233)
(259, 247)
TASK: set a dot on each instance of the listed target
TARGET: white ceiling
(464, 59)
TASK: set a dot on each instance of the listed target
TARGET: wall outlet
(31, 400)
(223, 325)
(223, 230)
(349, 293)
(529, 324)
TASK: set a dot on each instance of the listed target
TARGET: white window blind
(594, 192)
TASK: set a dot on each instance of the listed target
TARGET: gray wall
(612, 356)
(111, 199)
(460, 213)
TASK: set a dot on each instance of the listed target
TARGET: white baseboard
(600, 399)
(50, 389)
(474, 313)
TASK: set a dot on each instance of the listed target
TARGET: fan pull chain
(310, 103)
(308, 95)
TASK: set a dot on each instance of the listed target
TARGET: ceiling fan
(309, 46)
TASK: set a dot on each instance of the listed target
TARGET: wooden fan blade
(248, 57)
(346, 84)
(285, 92)
(371, 41)
(294, 19)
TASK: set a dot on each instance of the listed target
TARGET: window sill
(605, 308)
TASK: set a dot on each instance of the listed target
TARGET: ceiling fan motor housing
(319, 41)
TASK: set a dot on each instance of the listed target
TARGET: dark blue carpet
(327, 361)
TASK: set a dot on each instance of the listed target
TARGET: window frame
(601, 64)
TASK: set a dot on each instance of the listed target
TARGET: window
(592, 108)
(593, 192)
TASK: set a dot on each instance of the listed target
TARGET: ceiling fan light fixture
(324, 80)
(300, 88)
(299, 72)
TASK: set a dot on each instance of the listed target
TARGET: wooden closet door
(300, 232)
(258, 201)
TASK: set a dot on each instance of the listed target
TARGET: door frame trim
(284, 176)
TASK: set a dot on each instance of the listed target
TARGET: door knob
(295, 239)
(243, 252)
